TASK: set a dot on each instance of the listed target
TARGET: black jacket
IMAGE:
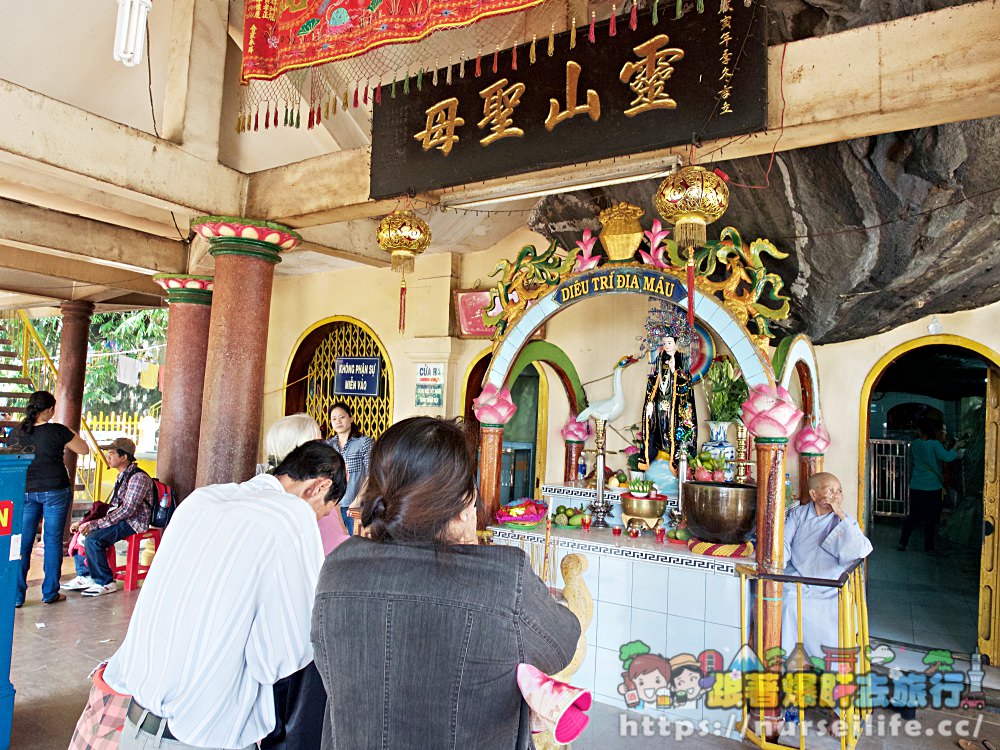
(418, 649)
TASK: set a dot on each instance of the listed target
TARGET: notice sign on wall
(356, 376)
(430, 385)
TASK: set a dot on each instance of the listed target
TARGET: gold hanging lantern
(622, 231)
(691, 199)
(403, 235)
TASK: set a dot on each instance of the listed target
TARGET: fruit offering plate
(523, 514)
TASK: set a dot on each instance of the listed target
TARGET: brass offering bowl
(724, 512)
(644, 507)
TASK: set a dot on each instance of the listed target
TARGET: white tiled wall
(670, 608)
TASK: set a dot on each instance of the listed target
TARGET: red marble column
(245, 252)
(809, 464)
(770, 559)
(73, 341)
(573, 450)
(490, 458)
(190, 300)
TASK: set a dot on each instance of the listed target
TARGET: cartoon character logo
(646, 677)
(687, 680)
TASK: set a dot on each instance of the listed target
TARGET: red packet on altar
(554, 705)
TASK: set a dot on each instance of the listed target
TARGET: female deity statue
(669, 419)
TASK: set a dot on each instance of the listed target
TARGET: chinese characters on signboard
(700, 77)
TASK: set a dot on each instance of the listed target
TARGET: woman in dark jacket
(48, 492)
(418, 631)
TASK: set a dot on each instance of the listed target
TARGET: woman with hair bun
(48, 490)
(417, 630)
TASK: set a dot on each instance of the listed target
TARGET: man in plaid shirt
(130, 508)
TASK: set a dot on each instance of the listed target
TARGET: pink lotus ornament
(576, 431)
(494, 405)
(587, 260)
(812, 439)
(769, 412)
(656, 237)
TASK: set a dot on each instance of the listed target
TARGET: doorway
(919, 598)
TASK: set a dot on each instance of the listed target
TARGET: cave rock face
(880, 231)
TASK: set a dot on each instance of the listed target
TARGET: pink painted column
(73, 341)
(245, 253)
(190, 301)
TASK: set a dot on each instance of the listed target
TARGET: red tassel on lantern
(591, 35)
(513, 58)
(378, 94)
(479, 63)
(267, 118)
(275, 115)
(633, 21)
(355, 96)
(312, 118)
(402, 305)
(690, 289)
(319, 114)
(256, 120)
(496, 57)
(613, 27)
(366, 94)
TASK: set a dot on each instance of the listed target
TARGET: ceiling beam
(196, 68)
(79, 272)
(47, 135)
(826, 89)
(32, 228)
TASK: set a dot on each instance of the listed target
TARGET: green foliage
(630, 650)
(139, 333)
(727, 390)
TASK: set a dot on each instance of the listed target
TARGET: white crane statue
(610, 408)
(602, 413)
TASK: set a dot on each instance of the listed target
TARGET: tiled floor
(922, 599)
(51, 664)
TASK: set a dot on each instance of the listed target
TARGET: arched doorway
(310, 379)
(530, 391)
(942, 599)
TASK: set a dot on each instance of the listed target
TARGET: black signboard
(696, 78)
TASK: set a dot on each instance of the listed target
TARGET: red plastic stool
(132, 572)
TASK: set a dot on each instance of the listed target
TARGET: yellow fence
(122, 425)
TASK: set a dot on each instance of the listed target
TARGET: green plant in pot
(726, 392)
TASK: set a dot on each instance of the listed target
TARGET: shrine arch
(645, 281)
(795, 355)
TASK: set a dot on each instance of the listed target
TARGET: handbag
(103, 718)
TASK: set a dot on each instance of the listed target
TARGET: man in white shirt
(226, 606)
(821, 541)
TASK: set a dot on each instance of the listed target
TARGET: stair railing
(38, 368)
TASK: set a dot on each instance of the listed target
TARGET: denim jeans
(81, 565)
(348, 521)
(96, 546)
(50, 507)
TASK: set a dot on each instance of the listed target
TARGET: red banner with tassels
(284, 35)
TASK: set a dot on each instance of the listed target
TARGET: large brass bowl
(644, 507)
(724, 512)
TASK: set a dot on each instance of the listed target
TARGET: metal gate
(889, 481)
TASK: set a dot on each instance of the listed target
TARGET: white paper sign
(15, 547)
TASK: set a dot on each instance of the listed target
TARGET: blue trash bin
(13, 471)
